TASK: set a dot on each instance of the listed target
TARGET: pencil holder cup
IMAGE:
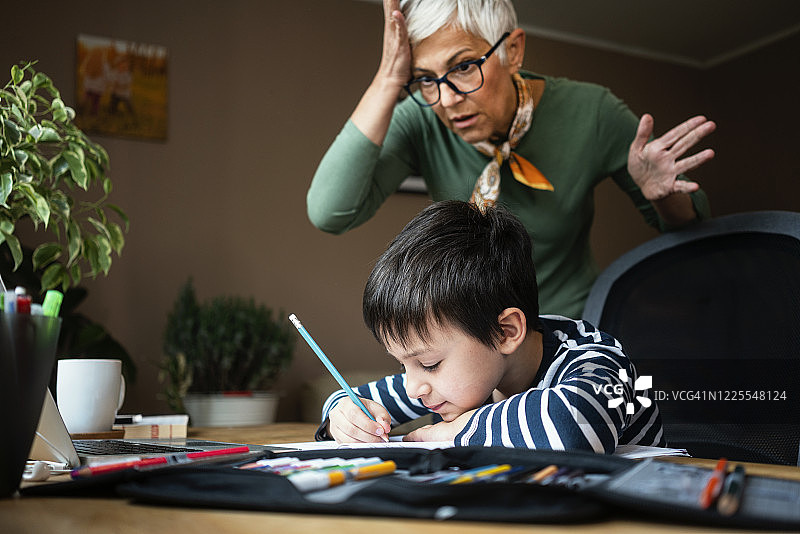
(27, 355)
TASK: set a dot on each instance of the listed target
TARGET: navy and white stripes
(567, 406)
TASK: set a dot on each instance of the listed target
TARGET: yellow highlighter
(480, 475)
(306, 481)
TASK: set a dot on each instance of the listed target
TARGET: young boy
(454, 300)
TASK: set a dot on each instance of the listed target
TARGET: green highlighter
(52, 303)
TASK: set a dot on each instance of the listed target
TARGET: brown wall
(756, 99)
(257, 92)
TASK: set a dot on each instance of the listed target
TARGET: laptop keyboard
(105, 446)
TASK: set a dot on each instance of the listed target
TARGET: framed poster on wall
(121, 88)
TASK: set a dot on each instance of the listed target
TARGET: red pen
(172, 459)
(714, 485)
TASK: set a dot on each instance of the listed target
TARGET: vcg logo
(616, 391)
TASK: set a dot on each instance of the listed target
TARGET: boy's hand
(348, 424)
(444, 431)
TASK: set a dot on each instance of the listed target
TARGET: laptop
(52, 443)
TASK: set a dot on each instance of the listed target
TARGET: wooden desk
(37, 515)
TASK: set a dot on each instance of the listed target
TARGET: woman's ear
(515, 327)
(515, 50)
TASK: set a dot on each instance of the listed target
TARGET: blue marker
(321, 355)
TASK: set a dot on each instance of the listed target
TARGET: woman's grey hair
(487, 19)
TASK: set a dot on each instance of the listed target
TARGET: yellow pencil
(472, 477)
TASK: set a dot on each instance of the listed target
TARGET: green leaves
(16, 74)
(6, 183)
(7, 237)
(77, 166)
(11, 133)
(44, 134)
(44, 158)
(61, 113)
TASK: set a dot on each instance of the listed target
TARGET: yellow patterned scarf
(487, 188)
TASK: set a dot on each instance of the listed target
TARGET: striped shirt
(579, 399)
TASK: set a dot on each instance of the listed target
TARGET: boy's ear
(515, 327)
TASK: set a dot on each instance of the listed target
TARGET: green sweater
(580, 135)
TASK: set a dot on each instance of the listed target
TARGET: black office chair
(712, 313)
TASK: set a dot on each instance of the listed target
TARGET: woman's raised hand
(374, 111)
(396, 59)
(655, 165)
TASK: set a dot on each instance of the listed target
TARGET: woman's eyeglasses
(464, 78)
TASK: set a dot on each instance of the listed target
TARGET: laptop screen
(52, 443)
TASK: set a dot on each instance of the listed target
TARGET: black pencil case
(627, 489)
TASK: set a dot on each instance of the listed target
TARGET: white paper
(394, 442)
(644, 451)
(625, 451)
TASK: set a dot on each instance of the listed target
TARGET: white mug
(89, 393)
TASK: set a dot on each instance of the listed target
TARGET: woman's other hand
(655, 165)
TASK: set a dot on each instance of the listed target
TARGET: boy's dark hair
(456, 265)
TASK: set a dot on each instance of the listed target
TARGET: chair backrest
(712, 313)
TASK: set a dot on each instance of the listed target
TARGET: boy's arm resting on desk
(571, 412)
(442, 431)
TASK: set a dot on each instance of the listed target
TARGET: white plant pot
(231, 409)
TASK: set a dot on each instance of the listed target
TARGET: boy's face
(452, 373)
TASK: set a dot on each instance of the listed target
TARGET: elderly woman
(478, 128)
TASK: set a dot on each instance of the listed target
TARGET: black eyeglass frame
(479, 62)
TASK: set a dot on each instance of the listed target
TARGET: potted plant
(222, 356)
(45, 160)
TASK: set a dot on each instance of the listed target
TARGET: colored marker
(52, 303)
(93, 470)
(269, 463)
(714, 485)
(732, 492)
(23, 305)
(324, 359)
(325, 464)
(9, 301)
(316, 480)
(354, 463)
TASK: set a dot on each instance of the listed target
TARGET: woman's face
(483, 115)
